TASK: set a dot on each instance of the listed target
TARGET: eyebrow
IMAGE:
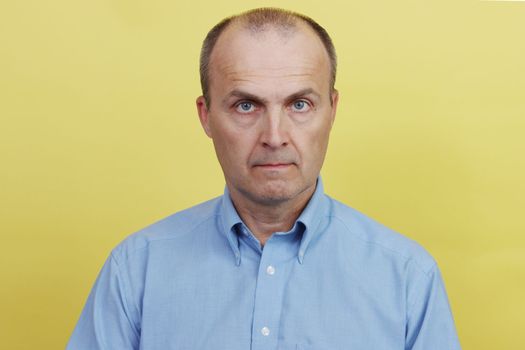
(248, 96)
(243, 95)
(303, 92)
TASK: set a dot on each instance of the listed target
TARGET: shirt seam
(125, 298)
(150, 240)
(410, 307)
(407, 258)
(425, 274)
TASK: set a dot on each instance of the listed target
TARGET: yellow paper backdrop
(99, 137)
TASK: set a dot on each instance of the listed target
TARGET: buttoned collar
(315, 210)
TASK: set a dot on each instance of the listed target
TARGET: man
(274, 263)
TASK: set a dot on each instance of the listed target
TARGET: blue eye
(300, 106)
(245, 107)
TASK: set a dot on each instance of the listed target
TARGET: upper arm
(429, 319)
(107, 320)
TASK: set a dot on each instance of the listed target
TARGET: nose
(275, 129)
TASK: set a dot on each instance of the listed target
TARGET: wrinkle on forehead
(247, 67)
(278, 78)
(284, 72)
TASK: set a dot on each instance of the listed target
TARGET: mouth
(274, 166)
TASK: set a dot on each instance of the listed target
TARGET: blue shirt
(200, 280)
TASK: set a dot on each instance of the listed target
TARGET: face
(271, 110)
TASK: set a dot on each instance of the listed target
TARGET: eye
(245, 107)
(300, 106)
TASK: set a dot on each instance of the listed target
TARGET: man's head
(268, 103)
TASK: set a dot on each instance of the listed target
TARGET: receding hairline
(238, 27)
(262, 18)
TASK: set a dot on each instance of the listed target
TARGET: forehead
(295, 53)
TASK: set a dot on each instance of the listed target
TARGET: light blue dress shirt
(200, 280)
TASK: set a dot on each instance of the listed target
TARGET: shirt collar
(310, 217)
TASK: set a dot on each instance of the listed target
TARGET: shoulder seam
(148, 241)
(124, 295)
(410, 306)
(407, 258)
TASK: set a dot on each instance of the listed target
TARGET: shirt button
(265, 331)
(270, 270)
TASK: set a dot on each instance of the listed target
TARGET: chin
(273, 198)
(275, 193)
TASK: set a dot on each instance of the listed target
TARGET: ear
(204, 113)
(335, 100)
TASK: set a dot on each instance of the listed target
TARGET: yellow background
(99, 137)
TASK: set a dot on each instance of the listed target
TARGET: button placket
(266, 311)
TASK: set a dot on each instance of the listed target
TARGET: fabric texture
(199, 279)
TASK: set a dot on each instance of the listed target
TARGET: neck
(264, 218)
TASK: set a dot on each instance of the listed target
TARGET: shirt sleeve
(430, 325)
(106, 322)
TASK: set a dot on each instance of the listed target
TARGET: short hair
(258, 20)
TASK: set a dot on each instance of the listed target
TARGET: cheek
(312, 146)
(313, 137)
(232, 146)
